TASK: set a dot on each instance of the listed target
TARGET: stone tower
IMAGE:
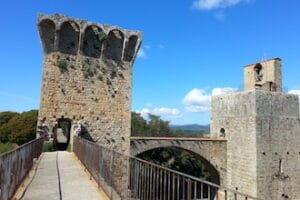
(87, 77)
(87, 80)
(265, 75)
(262, 128)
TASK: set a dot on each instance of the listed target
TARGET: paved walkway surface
(60, 176)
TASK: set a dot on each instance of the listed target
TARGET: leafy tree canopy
(6, 116)
(155, 127)
(20, 128)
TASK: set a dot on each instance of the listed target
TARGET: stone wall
(235, 114)
(263, 142)
(265, 75)
(278, 146)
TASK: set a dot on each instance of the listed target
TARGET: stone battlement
(60, 33)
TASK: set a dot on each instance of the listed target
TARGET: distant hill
(191, 127)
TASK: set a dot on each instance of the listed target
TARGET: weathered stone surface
(87, 78)
(265, 75)
(262, 129)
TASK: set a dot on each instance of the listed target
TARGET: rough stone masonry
(262, 128)
(87, 78)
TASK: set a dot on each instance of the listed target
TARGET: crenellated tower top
(60, 33)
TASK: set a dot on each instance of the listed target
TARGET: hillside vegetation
(17, 128)
(156, 127)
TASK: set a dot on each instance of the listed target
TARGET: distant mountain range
(191, 127)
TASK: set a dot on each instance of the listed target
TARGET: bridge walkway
(60, 176)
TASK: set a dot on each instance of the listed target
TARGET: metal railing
(15, 164)
(147, 181)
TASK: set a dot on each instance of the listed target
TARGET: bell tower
(265, 76)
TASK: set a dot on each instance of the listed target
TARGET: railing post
(189, 189)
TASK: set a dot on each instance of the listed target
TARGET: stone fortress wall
(87, 80)
(262, 128)
(87, 77)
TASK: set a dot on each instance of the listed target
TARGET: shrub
(62, 65)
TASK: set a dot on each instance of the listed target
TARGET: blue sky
(191, 49)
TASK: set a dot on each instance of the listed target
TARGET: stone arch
(69, 37)
(215, 178)
(47, 32)
(113, 46)
(130, 48)
(92, 41)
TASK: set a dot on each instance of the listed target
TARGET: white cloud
(221, 91)
(163, 112)
(294, 92)
(166, 111)
(141, 53)
(297, 92)
(144, 112)
(215, 4)
(198, 100)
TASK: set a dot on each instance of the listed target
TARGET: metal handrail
(145, 177)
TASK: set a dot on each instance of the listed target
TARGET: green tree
(19, 129)
(6, 116)
(139, 126)
(158, 127)
(154, 127)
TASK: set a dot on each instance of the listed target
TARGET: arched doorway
(62, 132)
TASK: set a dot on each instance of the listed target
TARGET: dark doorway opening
(62, 133)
